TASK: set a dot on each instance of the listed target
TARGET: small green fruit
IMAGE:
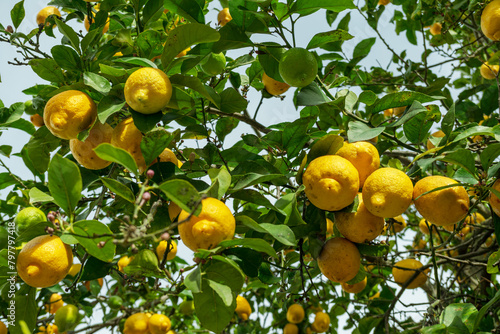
(115, 302)
(187, 307)
(67, 317)
(214, 64)
(298, 67)
(28, 218)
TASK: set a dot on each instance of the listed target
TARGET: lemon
(46, 12)
(394, 111)
(115, 302)
(159, 324)
(387, 192)
(490, 20)
(329, 228)
(298, 67)
(27, 218)
(437, 134)
(148, 90)
(399, 225)
(37, 120)
(493, 199)
(331, 182)
(50, 329)
(442, 207)
(274, 87)
(3, 328)
(295, 314)
(214, 224)
(384, 2)
(173, 211)
(354, 288)
(436, 28)
(69, 113)
(83, 151)
(422, 225)
(44, 261)
(187, 307)
(363, 156)
(126, 136)
(162, 247)
(183, 52)
(488, 71)
(86, 23)
(339, 260)
(75, 269)
(321, 322)
(66, 317)
(291, 329)
(168, 156)
(243, 308)
(474, 219)
(123, 262)
(213, 64)
(137, 323)
(406, 270)
(360, 226)
(420, 244)
(55, 303)
(224, 17)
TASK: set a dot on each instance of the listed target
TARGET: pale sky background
(14, 79)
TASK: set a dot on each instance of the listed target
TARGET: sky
(14, 79)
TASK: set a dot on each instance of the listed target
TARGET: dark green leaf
(66, 58)
(448, 121)
(258, 245)
(184, 194)
(282, 233)
(136, 61)
(336, 6)
(459, 317)
(47, 69)
(193, 280)
(145, 122)
(462, 157)
(359, 131)
(34, 231)
(153, 143)
(97, 82)
(295, 136)
(110, 153)
(108, 106)
(65, 183)
(417, 128)
(232, 101)
(149, 43)
(368, 97)
(89, 234)
(401, 99)
(193, 83)
(311, 95)
(247, 259)
(25, 311)
(361, 50)
(67, 31)
(5, 150)
(323, 38)
(94, 269)
(151, 10)
(490, 153)
(17, 14)
(189, 9)
(119, 188)
(221, 180)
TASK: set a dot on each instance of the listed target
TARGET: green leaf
(258, 245)
(186, 36)
(417, 128)
(65, 183)
(95, 268)
(193, 280)
(119, 188)
(459, 317)
(492, 265)
(231, 37)
(232, 101)
(490, 153)
(154, 142)
(247, 259)
(149, 43)
(145, 122)
(67, 31)
(47, 69)
(189, 9)
(66, 58)
(34, 231)
(326, 145)
(151, 10)
(5, 150)
(462, 157)
(361, 50)
(108, 106)
(373, 250)
(110, 153)
(311, 95)
(193, 83)
(478, 130)
(269, 57)
(145, 263)
(436, 329)
(17, 14)
(89, 234)
(336, 6)
(223, 291)
(39, 147)
(368, 97)
(26, 311)
(37, 196)
(448, 121)
(401, 99)
(359, 131)
(282, 233)
(323, 38)
(483, 311)
(184, 194)
(221, 180)
(97, 82)
(136, 61)
(295, 136)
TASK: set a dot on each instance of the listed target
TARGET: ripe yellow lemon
(422, 225)
(46, 12)
(295, 313)
(86, 23)
(224, 17)
(50, 329)
(137, 323)
(148, 90)
(162, 247)
(298, 67)
(437, 134)
(493, 199)
(436, 28)
(27, 218)
(168, 156)
(214, 224)
(183, 52)
(124, 261)
(37, 120)
(159, 324)
(384, 2)
(173, 211)
(406, 270)
(442, 207)
(55, 303)
(363, 156)
(387, 192)
(360, 226)
(321, 322)
(420, 244)
(243, 308)
(339, 260)
(44, 261)
(354, 288)
(331, 182)
(128, 137)
(490, 20)
(399, 225)
(329, 228)
(474, 219)
(69, 113)
(291, 329)
(83, 151)
(394, 111)
(75, 269)
(274, 87)
(488, 71)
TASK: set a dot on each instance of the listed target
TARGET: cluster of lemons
(295, 315)
(142, 323)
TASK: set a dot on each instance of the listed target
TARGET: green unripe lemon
(27, 218)
(115, 302)
(298, 67)
(66, 317)
(187, 307)
(214, 64)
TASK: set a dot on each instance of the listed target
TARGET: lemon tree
(270, 166)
